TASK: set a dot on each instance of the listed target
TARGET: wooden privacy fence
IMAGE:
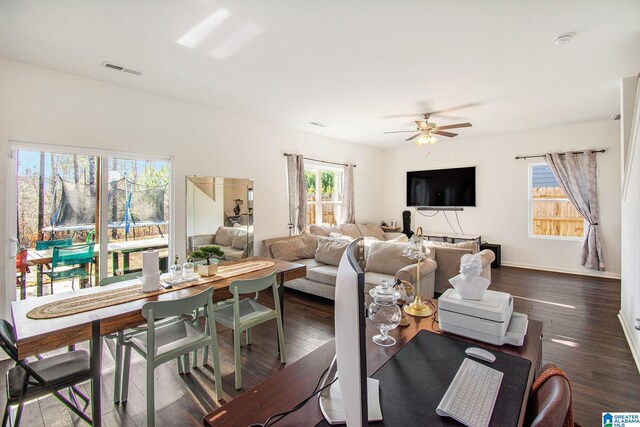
(553, 217)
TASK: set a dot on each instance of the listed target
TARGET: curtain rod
(321, 161)
(572, 152)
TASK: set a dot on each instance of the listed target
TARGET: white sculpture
(468, 283)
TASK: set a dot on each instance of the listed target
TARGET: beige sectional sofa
(382, 258)
(235, 242)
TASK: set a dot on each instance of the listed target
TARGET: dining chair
(162, 342)
(50, 375)
(42, 245)
(76, 257)
(242, 315)
(112, 341)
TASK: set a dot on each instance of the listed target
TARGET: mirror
(220, 213)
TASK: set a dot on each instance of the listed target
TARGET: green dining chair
(242, 315)
(161, 343)
(42, 245)
(112, 341)
(76, 257)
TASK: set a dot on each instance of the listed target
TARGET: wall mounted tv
(442, 187)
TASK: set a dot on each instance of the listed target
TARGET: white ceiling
(350, 64)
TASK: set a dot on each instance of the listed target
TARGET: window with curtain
(324, 194)
(551, 214)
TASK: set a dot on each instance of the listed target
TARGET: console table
(286, 388)
(452, 237)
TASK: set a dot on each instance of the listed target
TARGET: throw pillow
(299, 247)
(473, 246)
(339, 236)
(386, 258)
(371, 230)
(239, 240)
(400, 239)
(225, 235)
(320, 230)
(350, 230)
(330, 251)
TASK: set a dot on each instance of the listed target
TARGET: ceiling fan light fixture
(432, 139)
(422, 140)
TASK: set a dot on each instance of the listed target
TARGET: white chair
(242, 315)
(161, 343)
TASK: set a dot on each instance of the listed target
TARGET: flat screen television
(442, 187)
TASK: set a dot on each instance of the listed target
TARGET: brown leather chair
(548, 406)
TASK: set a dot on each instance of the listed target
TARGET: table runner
(93, 301)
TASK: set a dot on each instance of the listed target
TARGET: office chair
(243, 315)
(550, 400)
(31, 380)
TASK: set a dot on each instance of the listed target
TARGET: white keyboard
(472, 394)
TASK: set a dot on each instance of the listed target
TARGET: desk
(289, 386)
(39, 336)
(40, 258)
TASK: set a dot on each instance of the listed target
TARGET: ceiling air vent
(318, 124)
(112, 66)
(616, 116)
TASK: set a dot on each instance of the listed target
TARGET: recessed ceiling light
(563, 39)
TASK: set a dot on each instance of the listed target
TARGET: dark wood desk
(286, 388)
(39, 336)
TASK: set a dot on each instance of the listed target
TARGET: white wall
(47, 106)
(630, 292)
(501, 215)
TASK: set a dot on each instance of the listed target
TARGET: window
(551, 214)
(324, 194)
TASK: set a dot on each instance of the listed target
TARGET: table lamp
(414, 250)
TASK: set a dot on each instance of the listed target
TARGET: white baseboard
(581, 272)
(627, 334)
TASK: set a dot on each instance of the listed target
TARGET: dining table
(36, 336)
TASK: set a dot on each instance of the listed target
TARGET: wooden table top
(286, 388)
(45, 256)
(39, 336)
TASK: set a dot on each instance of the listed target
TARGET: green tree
(327, 180)
(310, 181)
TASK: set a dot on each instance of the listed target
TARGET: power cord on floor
(277, 417)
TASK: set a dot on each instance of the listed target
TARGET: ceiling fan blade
(414, 136)
(459, 125)
(449, 134)
(422, 125)
(398, 131)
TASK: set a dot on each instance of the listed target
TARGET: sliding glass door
(117, 204)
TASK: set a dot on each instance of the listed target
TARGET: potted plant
(206, 252)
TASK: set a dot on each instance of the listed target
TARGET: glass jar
(188, 269)
(175, 271)
(384, 312)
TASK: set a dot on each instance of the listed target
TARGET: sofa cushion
(324, 274)
(296, 248)
(473, 246)
(340, 236)
(386, 257)
(224, 236)
(350, 230)
(320, 230)
(310, 263)
(371, 230)
(330, 251)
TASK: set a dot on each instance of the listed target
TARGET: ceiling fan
(426, 132)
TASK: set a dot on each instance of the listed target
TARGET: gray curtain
(297, 193)
(577, 176)
(348, 211)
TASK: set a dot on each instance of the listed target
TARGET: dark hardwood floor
(581, 334)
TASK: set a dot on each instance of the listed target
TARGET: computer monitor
(354, 398)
